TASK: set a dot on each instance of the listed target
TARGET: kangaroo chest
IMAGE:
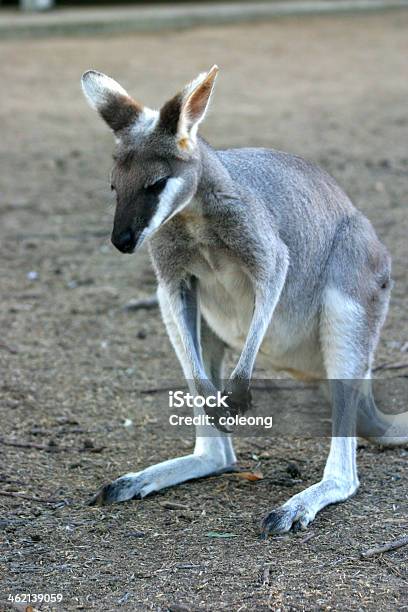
(226, 292)
(227, 303)
(226, 295)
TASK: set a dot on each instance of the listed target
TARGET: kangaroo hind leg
(342, 331)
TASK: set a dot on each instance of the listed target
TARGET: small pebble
(293, 470)
(135, 534)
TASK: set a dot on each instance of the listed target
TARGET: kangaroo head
(156, 162)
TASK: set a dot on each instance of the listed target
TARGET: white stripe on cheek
(166, 202)
(165, 207)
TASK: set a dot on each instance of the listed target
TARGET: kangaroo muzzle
(124, 241)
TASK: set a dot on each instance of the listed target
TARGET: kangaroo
(256, 250)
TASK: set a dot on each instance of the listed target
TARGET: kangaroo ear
(111, 101)
(182, 115)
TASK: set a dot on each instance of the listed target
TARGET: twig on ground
(153, 390)
(391, 365)
(173, 505)
(27, 445)
(142, 304)
(266, 574)
(10, 349)
(307, 538)
(54, 448)
(378, 550)
(7, 480)
(28, 498)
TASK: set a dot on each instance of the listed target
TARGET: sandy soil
(75, 365)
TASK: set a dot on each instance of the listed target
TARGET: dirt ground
(75, 366)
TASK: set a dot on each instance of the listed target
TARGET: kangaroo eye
(157, 187)
(112, 187)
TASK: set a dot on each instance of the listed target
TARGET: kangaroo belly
(227, 301)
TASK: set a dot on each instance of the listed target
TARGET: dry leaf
(251, 476)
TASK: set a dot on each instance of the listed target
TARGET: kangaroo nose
(125, 242)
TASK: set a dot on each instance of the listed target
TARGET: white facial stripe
(164, 211)
(166, 200)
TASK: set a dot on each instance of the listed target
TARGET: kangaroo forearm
(266, 298)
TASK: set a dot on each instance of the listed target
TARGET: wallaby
(259, 251)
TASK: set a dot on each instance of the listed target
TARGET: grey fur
(265, 254)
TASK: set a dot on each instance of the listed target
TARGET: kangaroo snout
(124, 241)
